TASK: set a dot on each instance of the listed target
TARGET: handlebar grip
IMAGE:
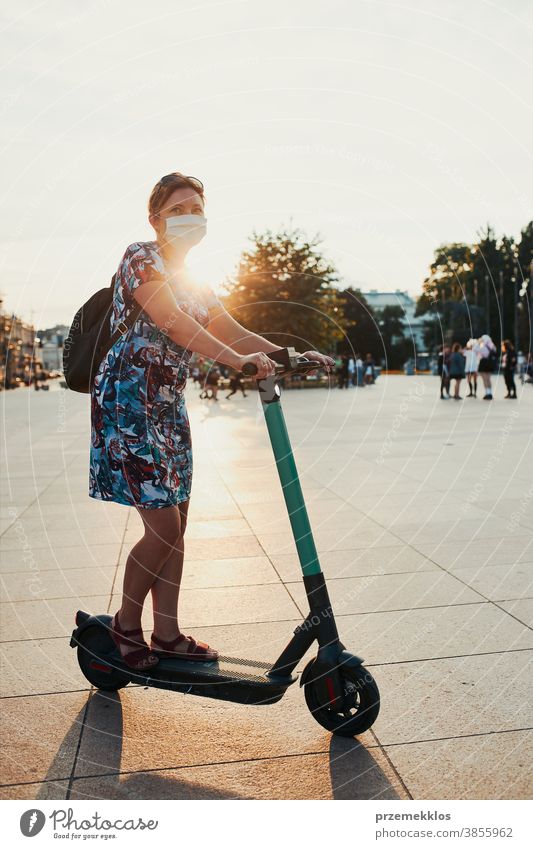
(249, 369)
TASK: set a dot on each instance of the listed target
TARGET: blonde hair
(169, 183)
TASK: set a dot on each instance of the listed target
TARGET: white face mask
(185, 229)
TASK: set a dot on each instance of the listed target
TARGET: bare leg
(166, 587)
(162, 533)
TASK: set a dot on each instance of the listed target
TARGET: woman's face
(183, 201)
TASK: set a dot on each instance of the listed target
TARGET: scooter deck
(229, 678)
(233, 679)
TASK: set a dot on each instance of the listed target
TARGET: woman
(509, 367)
(443, 370)
(486, 350)
(369, 370)
(457, 369)
(140, 438)
(471, 368)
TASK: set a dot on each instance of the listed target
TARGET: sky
(382, 128)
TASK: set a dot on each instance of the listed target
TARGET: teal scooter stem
(292, 491)
(340, 693)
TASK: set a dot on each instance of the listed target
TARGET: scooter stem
(269, 392)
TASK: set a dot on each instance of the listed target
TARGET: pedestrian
(212, 383)
(351, 371)
(342, 373)
(359, 370)
(488, 361)
(195, 374)
(457, 369)
(471, 368)
(521, 363)
(528, 373)
(509, 361)
(443, 369)
(235, 383)
(369, 367)
(141, 450)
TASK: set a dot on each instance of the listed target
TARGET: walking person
(509, 362)
(457, 369)
(195, 374)
(443, 369)
(488, 360)
(212, 383)
(342, 373)
(370, 374)
(235, 383)
(141, 450)
(351, 371)
(471, 368)
(359, 370)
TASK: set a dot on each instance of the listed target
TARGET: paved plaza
(423, 517)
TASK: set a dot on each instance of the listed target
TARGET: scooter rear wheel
(96, 663)
(361, 703)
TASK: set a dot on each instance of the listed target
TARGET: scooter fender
(103, 620)
(345, 658)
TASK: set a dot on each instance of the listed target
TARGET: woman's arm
(227, 330)
(156, 299)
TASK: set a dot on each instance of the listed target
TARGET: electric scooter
(340, 693)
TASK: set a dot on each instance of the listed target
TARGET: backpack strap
(126, 323)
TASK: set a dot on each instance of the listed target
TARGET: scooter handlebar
(301, 366)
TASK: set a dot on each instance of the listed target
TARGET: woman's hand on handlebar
(265, 366)
(326, 362)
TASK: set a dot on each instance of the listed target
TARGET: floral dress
(141, 452)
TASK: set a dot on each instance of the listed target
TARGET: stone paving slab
(368, 535)
(54, 617)
(480, 552)
(521, 609)
(454, 697)
(361, 562)
(226, 572)
(39, 560)
(52, 723)
(57, 583)
(499, 583)
(485, 766)
(35, 790)
(65, 538)
(392, 592)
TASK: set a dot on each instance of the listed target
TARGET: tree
(395, 346)
(362, 330)
(473, 289)
(284, 289)
(524, 254)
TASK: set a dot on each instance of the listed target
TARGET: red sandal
(195, 650)
(138, 659)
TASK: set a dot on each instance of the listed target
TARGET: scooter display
(340, 693)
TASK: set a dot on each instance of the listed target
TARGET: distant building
(414, 326)
(20, 360)
(51, 347)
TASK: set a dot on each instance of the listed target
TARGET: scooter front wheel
(359, 710)
(95, 662)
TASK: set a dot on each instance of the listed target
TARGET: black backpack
(89, 338)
